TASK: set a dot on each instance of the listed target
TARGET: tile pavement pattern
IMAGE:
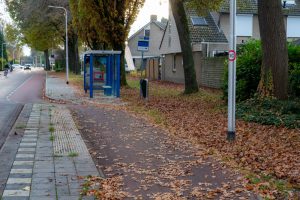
(19, 181)
(37, 173)
(68, 139)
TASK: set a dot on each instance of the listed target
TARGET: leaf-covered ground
(142, 161)
(267, 155)
(262, 150)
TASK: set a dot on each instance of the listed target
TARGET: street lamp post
(67, 49)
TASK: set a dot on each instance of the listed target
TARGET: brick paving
(37, 173)
(57, 89)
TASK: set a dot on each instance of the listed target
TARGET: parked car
(27, 67)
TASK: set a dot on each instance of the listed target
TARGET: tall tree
(35, 37)
(4, 49)
(28, 13)
(274, 69)
(178, 10)
(191, 85)
(87, 21)
(106, 23)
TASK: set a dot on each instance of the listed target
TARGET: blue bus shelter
(102, 72)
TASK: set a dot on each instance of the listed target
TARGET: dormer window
(147, 33)
(198, 21)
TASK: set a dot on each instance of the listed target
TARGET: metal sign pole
(142, 63)
(232, 73)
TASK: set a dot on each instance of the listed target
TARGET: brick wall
(211, 72)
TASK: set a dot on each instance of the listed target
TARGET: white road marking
(8, 96)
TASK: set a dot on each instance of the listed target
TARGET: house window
(293, 26)
(147, 33)
(244, 25)
(174, 63)
(198, 21)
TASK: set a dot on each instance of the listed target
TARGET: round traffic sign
(231, 55)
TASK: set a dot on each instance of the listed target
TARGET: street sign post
(143, 46)
(232, 56)
(232, 73)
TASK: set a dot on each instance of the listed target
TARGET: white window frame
(145, 32)
(174, 62)
(293, 31)
(244, 27)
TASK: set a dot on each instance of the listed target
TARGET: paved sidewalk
(50, 159)
(148, 162)
(58, 90)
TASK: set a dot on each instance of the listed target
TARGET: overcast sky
(151, 7)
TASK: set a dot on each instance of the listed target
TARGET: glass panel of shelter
(87, 72)
(99, 71)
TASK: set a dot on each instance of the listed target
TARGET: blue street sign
(143, 44)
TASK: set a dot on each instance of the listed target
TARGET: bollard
(144, 89)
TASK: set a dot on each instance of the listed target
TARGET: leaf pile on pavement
(202, 118)
(104, 189)
(153, 163)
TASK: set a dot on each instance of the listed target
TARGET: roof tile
(207, 33)
(250, 7)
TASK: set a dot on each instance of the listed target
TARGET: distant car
(27, 67)
(17, 66)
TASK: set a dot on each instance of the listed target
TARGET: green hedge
(270, 111)
(60, 65)
(4, 63)
(249, 61)
(247, 72)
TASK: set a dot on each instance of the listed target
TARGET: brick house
(151, 59)
(209, 37)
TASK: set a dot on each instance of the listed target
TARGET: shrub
(294, 53)
(247, 72)
(294, 79)
(4, 63)
(59, 65)
(249, 61)
(270, 111)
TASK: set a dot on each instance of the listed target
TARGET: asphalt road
(18, 88)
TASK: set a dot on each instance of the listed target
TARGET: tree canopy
(105, 24)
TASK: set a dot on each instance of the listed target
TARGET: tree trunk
(47, 62)
(191, 85)
(73, 53)
(123, 72)
(274, 69)
(121, 47)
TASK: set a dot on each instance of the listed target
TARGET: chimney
(164, 20)
(153, 18)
